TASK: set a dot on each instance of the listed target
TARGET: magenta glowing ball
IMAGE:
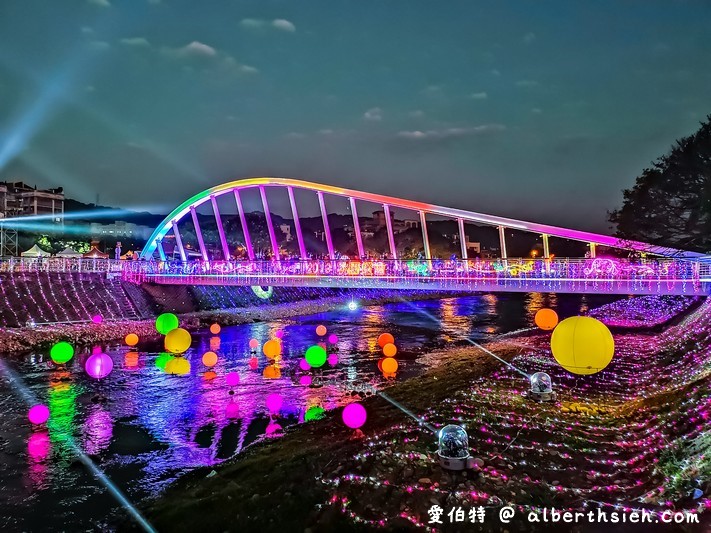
(273, 429)
(253, 363)
(354, 415)
(232, 410)
(304, 365)
(232, 379)
(274, 402)
(38, 414)
(333, 359)
(279, 334)
(253, 343)
(97, 319)
(305, 381)
(333, 338)
(39, 446)
(99, 365)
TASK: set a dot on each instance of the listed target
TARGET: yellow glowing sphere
(389, 350)
(178, 366)
(272, 349)
(390, 365)
(209, 359)
(131, 339)
(546, 319)
(582, 345)
(178, 340)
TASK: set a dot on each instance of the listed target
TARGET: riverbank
(598, 446)
(18, 341)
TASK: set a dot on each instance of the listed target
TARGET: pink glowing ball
(97, 319)
(279, 334)
(99, 365)
(333, 359)
(39, 446)
(333, 338)
(38, 414)
(274, 402)
(253, 343)
(304, 365)
(232, 379)
(273, 429)
(254, 363)
(232, 410)
(305, 381)
(354, 415)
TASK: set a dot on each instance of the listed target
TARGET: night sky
(537, 110)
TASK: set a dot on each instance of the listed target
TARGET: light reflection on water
(144, 427)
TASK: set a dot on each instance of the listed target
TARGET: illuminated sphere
(232, 379)
(320, 330)
(131, 339)
(253, 363)
(99, 365)
(354, 415)
(332, 338)
(541, 383)
(38, 414)
(253, 343)
(314, 412)
(389, 350)
(61, 352)
(582, 345)
(209, 359)
(178, 366)
(130, 360)
(271, 372)
(304, 365)
(97, 319)
(316, 356)
(385, 338)
(272, 349)
(389, 365)
(274, 402)
(352, 306)
(166, 323)
(305, 381)
(178, 340)
(453, 442)
(162, 360)
(215, 329)
(333, 359)
(546, 319)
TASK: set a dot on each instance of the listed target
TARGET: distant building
(17, 199)
(121, 229)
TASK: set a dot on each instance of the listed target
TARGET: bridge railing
(61, 264)
(421, 271)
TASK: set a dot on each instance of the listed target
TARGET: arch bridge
(657, 270)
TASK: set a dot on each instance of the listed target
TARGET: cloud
(449, 133)
(375, 114)
(278, 24)
(527, 83)
(537, 110)
(417, 113)
(136, 41)
(87, 30)
(100, 3)
(196, 49)
(496, 72)
(432, 90)
(99, 45)
(247, 69)
(529, 38)
(284, 25)
(479, 96)
(294, 135)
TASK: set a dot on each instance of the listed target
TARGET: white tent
(68, 252)
(35, 251)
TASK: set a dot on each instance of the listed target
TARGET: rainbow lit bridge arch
(234, 188)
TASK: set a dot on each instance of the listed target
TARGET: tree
(670, 203)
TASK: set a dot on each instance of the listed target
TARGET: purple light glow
(99, 365)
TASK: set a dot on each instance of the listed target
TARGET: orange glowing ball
(271, 372)
(209, 359)
(207, 376)
(215, 343)
(320, 331)
(272, 349)
(389, 365)
(215, 329)
(385, 338)
(131, 360)
(131, 339)
(546, 319)
(389, 350)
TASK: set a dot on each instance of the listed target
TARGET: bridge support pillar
(161, 251)
(546, 249)
(356, 227)
(462, 239)
(389, 228)
(593, 251)
(245, 229)
(502, 242)
(179, 242)
(198, 233)
(220, 229)
(326, 227)
(297, 223)
(270, 223)
(425, 238)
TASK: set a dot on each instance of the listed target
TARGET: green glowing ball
(314, 413)
(166, 323)
(61, 352)
(162, 360)
(316, 356)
